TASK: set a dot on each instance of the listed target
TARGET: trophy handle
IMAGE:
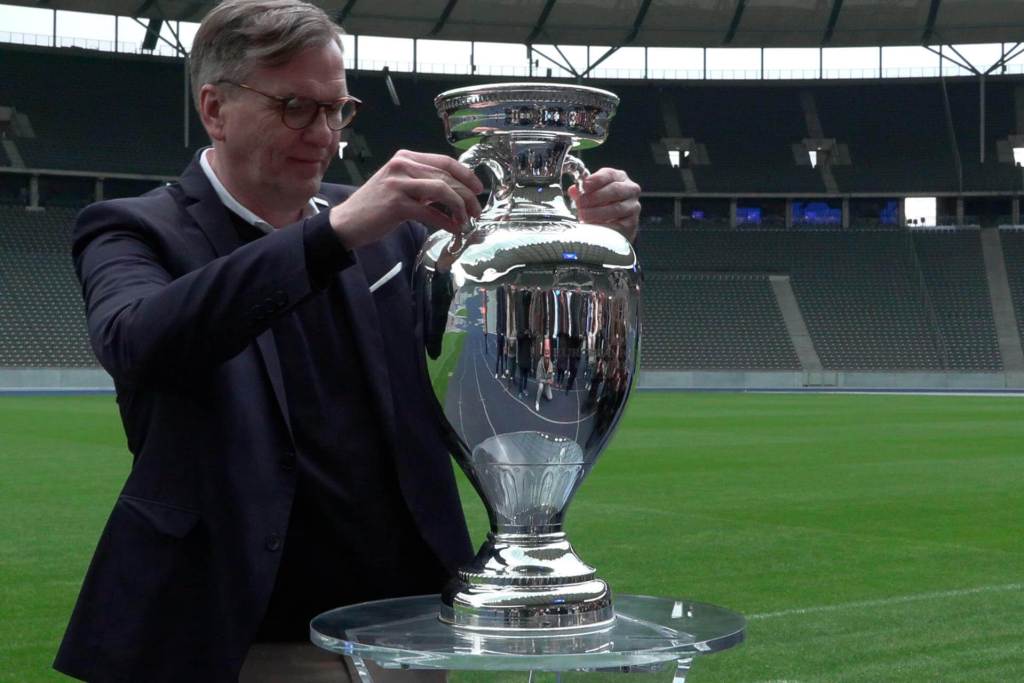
(490, 157)
(526, 171)
(574, 166)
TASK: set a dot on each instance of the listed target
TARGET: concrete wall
(55, 379)
(751, 380)
(96, 379)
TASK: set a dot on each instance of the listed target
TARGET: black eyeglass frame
(325, 106)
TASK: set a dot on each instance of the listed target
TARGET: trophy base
(527, 583)
(515, 610)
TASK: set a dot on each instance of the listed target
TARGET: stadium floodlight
(341, 149)
(1018, 156)
(813, 154)
(673, 157)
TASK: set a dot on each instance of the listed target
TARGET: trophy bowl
(532, 325)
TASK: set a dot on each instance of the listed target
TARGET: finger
(623, 216)
(469, 199)
(416, 168)
(627, 209)
(449, 165)
(602, 177)
(430, 214)
(436, 190)
(615, 191)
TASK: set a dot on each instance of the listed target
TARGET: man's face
(265, 162)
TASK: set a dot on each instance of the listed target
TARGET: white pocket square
(387, 276)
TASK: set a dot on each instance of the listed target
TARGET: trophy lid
(473, 112)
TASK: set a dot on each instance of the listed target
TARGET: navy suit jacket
(179, 314)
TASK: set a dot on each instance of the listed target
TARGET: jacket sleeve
(145, 322)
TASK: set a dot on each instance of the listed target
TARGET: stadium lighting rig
(1018, 156)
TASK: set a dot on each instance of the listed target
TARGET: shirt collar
(236, 206)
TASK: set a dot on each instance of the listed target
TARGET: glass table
(650, 635)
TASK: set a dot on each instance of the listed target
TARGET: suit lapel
(210, 215)
(213, 221)
(366, 333)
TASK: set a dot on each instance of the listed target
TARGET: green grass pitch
(867, 538)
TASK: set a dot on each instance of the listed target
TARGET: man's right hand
(410, 186)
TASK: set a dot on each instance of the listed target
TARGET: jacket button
(287, 461)
(273, 543)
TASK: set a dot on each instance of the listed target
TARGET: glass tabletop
(406, 632)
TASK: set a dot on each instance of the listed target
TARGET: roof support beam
(970, 67)
(443, 19)
(143, 8)
(177, 39)
(929, 26)
(837, 6)
(638, 22)
(572, 69)
(561, 65)
(735, 24)
(966, 65)
(153, 27)
(606, 55)
(343, 13)
(1014, 52)
(541, 20)
(150, 31)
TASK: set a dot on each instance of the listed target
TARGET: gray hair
(238, 36)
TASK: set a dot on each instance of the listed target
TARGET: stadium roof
(660, 23)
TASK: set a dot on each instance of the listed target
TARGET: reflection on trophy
(532, 325)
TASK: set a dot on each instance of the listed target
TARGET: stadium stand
(866, 301)
(1013, 253)
(871, 298)
(953, 269)
(914, 137)
(748, 132)
(992, 175)
(748, 129)
(41, 320)
(714, 321)
(134, 121)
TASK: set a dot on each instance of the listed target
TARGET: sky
(39, 26)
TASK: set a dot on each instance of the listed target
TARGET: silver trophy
(532, 324)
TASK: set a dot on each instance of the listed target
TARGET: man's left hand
(609, 198)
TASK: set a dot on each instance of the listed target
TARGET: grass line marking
(885, 602)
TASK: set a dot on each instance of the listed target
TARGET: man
(258, 327)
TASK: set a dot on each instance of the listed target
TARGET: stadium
(825, 433)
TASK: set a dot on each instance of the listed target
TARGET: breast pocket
(387, 281)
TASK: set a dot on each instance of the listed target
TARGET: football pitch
(866, 538)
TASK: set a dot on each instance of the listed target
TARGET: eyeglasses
(299, 112)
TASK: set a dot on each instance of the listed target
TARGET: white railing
(36, 39)
(656, 73)
(443, 68)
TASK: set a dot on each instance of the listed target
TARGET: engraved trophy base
(521, 582)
